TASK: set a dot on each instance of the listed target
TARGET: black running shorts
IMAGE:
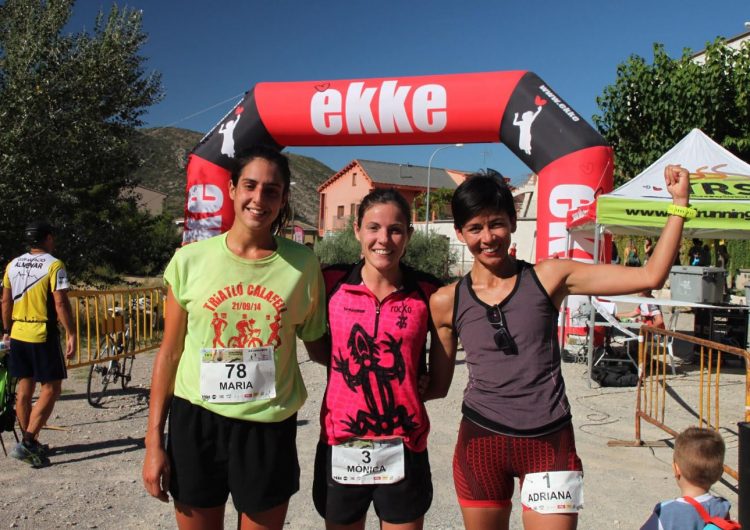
(398, 503)
(212, 456)
(44, 361)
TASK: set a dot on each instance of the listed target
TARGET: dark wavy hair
(384, 196)
(481, 193)
(265, 152)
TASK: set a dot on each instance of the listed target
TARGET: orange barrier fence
(128, 321)
(709, 394)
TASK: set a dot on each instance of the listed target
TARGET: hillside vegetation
(165, 151)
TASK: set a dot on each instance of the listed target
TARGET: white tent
(720, 191)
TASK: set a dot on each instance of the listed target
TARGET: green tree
(431, 253)
(70, 104)
(440, 199)
(650, 107)
(339, 247)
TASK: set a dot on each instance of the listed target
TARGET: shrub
(339, 247)
(430, 254)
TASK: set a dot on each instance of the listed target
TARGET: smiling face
(487, 236)
(258, 196)
(383, 234)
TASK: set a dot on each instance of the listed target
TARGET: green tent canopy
(720, 191)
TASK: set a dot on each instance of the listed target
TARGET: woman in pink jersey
(516, 417)
(374, 425)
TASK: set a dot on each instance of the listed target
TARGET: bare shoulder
(553, 275)
(441, 302)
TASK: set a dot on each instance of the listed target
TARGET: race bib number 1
(360, 461)
(237, 375)
(553, 491)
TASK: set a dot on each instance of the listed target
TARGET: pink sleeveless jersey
(377, 355)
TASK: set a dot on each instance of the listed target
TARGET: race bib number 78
(236, 375)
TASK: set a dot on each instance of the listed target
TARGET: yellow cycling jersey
(31, 279)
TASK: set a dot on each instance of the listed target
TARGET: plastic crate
(703, 285)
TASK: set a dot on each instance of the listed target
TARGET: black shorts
(398, 503)
(44, 361)
(212, 456)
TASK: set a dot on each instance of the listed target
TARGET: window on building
(352, 210)
(354, 179)
(340, 211)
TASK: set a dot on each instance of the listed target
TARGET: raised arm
(563, 277)
(443, 344)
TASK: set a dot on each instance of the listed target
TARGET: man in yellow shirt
(35, 296)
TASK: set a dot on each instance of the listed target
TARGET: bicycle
(117, 340)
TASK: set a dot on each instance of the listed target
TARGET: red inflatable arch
(517, 108)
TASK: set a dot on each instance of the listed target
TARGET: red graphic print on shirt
(251, 313)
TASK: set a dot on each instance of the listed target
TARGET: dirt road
(94, 481)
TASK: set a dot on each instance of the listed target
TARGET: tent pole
(592, 312)
(561, 316)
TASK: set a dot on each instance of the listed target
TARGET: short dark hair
(480, 193)
(384, 196)
(266, 152)
(36, 232)
(700, 455)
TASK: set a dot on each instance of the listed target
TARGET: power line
(193, 115)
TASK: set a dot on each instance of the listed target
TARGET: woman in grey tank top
(516, 416)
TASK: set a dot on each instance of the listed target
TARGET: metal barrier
(660, 404)
(130, 319)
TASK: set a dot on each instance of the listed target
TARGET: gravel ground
(94, 480)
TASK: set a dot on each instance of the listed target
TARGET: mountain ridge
(165, 151)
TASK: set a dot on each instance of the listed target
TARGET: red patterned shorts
(485, 463)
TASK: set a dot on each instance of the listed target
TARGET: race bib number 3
(237, 375)
(553, 491)
(368, 461)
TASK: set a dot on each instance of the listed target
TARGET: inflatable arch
(517, 108)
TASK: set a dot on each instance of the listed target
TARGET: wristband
(686, 212)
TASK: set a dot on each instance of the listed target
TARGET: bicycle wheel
(100, 375)
(126, 367)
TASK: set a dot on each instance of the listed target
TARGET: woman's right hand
(156, 472)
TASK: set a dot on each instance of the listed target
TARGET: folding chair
(576, 335)
(614, 324)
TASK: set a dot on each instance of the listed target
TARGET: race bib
(360, 461)
(237, 375)
(553, 491)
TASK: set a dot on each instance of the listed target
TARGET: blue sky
(208, 52)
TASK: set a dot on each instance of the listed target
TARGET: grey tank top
(519, 395)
